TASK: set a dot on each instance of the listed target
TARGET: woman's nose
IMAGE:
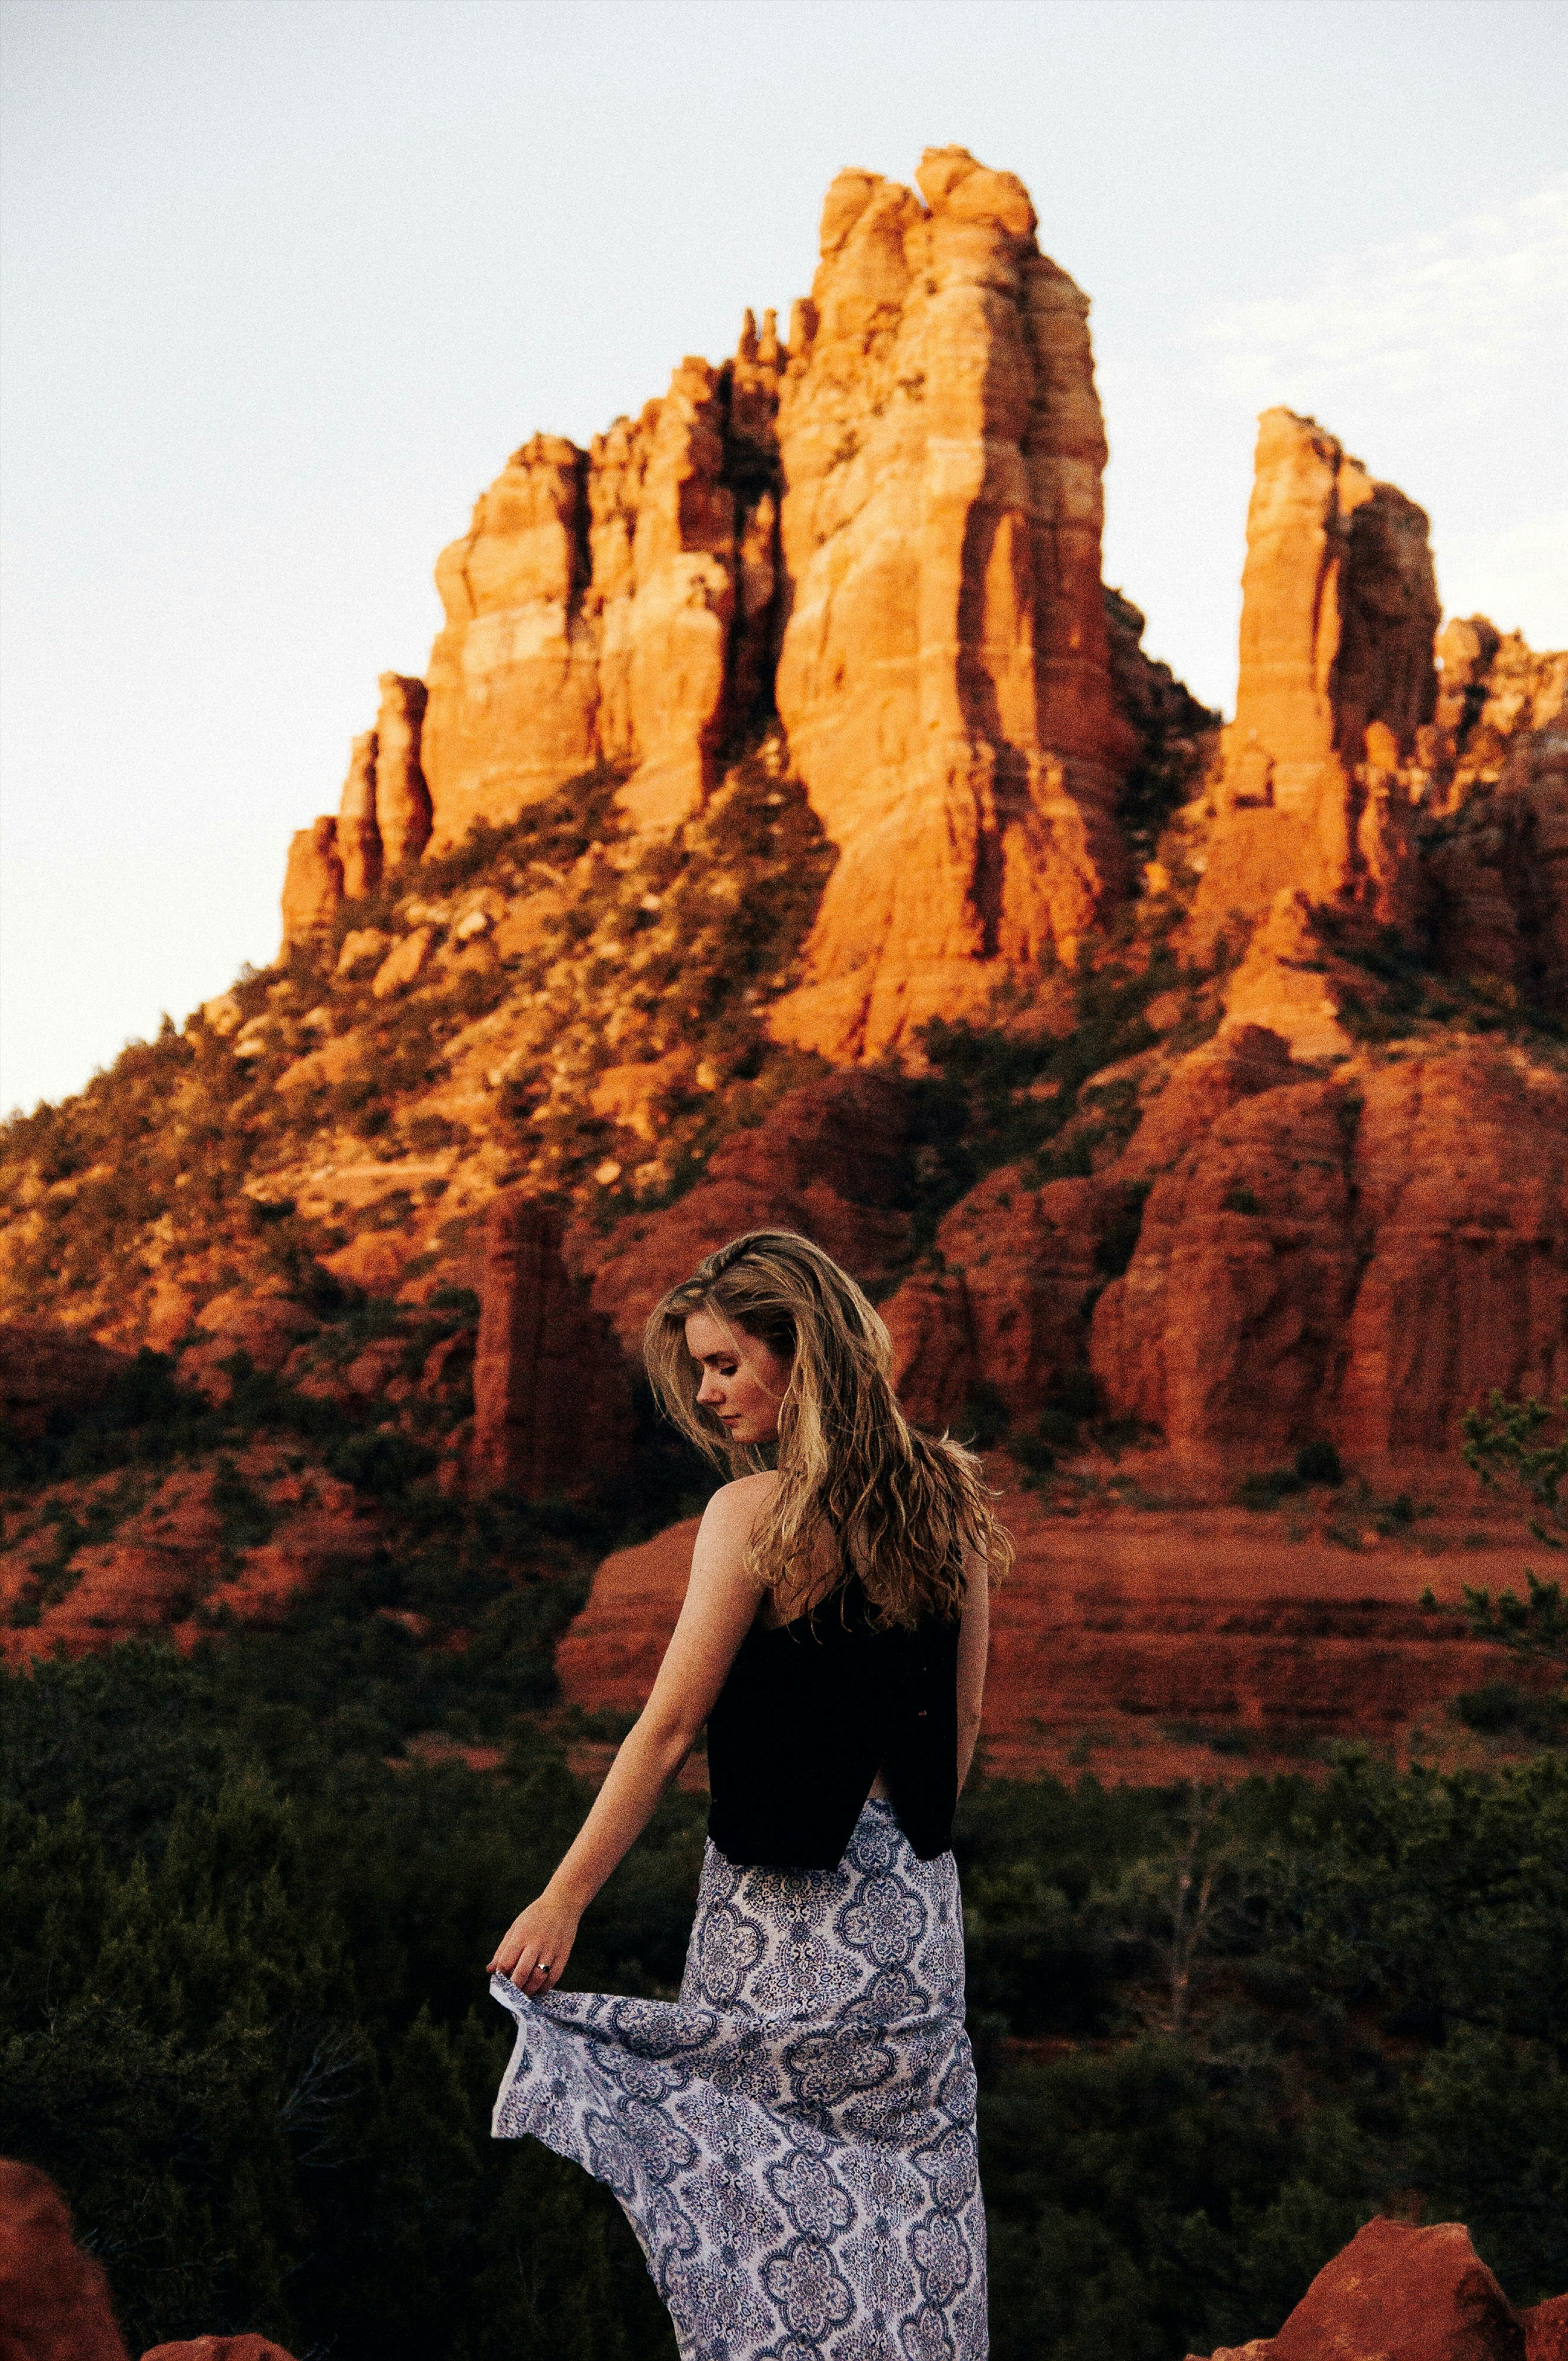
(711, 1389)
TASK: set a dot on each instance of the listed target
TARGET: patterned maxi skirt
(793, 2140)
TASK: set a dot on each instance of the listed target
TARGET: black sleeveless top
(810, 1712)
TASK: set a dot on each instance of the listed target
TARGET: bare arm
(974, 1636)
(721, 1604)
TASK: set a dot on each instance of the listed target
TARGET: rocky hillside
(791, 827)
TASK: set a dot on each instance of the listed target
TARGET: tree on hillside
(1523, 1446)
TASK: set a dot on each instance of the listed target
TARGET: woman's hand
(537, 1945)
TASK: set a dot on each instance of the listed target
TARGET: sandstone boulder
(1291, 985)
(54, 2299)
(1398, 2293)
(403, 962)
(552, 1400)
(1545, 2329)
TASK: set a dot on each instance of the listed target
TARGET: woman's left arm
(974, 1638)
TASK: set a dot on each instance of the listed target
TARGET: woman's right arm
(720, 1605)
(974, 1638)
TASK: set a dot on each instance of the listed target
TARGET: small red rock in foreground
(249, 2348)
(1398, 2293)
(54, 2299)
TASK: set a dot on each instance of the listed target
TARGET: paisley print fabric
(793, 2140)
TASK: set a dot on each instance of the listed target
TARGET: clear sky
(285, 281)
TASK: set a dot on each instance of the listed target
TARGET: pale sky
(286, 280)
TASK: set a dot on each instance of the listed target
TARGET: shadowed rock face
(45, 1368)
(1495, 837)
(552, 1403)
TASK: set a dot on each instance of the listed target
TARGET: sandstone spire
(944, 676)
(358, 837)
(1339, 609)
(402, 799)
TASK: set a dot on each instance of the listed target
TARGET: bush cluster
(242, 2016)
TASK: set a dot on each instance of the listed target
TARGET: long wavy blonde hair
(859, 1490)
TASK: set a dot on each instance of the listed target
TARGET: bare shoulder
(735, 1507)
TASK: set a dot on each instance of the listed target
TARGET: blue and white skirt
(793, 2140)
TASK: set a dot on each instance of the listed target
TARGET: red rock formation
(249, 2348)
(827, 1161)
(944, 676)
(1007, 1310)
(1139, 1630)
(1496, 838)
(54, 2299)
(1339, 609)
(1292, 985)
(609, 1655)
(1020, 1266)
(513, 675)
(552, 1403)
(1362, 1258)
(172, 1555)
(402, 799)
(1399, 2294)
(684, 571)
(1545, 2329)
(590, 608)
(358, 837)
(919, 491)
(44, 1369)
(313, 883)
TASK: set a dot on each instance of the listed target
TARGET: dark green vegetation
(243, 2019)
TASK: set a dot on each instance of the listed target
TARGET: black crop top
(810, 1712)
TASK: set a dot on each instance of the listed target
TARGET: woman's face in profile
(743, 1381)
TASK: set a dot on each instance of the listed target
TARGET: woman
(794, 2139)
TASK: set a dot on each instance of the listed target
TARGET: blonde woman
(794, 2139)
